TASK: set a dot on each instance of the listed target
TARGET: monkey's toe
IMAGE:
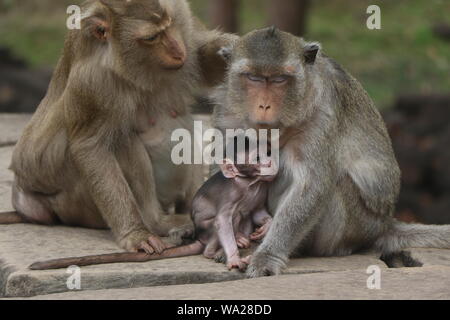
(144, 246)
(264, 265)
(157, 244)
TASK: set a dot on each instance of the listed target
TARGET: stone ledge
(22, 245)
(406, 283)
(11, 127)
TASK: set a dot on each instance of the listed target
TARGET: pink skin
(235, 262)
(261, 232)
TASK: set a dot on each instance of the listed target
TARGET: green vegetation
(404, 56)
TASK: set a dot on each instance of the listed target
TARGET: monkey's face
(145, 38)
(269, 74)
(265, 95)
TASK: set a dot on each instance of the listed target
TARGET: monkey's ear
(310, 52)
(97, 23)
(225, 53)
(229, 169)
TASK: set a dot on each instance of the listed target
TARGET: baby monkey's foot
(220, 257)
(235, 262)
(261, 232)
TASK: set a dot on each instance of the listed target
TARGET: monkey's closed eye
(279, 79)
(255, 78)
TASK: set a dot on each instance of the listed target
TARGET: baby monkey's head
(246, 162)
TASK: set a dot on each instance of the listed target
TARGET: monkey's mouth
(174, 67)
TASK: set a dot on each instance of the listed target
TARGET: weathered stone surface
(430, 257)
(11, 127)
(6, 178)
(22, 245)
(406, 283)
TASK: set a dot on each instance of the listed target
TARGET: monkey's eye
(152, 38)
(255, 78)
(279, 79)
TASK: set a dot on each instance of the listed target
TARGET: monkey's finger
(158, 245)
(257, 236)
(243, 243)
(146, 247)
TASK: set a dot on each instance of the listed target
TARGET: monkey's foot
(142, 240)
(262, 265)
(247, 260)
(235, 262)
(220, 257)
(261, 232)
(242, 241)
(177, 235)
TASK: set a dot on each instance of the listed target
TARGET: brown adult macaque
(339, 180)
(225, 211)
(97, 151)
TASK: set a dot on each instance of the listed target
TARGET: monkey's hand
(263, 264)
(261, 232)
(142, 240)
(242, 241)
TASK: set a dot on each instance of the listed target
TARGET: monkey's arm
(110, 191)
(296, 215)
(212, 65)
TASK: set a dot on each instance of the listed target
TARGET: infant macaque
(229, 206)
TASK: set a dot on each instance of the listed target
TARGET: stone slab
(430, 257)
(11, 127)
(21, 245)
(407, 283)
(6, 178)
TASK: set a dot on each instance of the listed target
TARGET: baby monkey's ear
(228, 169)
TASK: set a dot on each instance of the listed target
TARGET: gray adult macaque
(97, 152)
(339, 180)
(225, 212)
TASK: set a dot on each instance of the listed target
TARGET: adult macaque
(97, 152)
(225, 211)
(339, 180)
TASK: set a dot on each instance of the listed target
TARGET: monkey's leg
(296, 216)
(138, 171)
(225, 231)
(30, 208)
(212, 247)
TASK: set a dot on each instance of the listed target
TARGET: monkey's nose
(265, 108)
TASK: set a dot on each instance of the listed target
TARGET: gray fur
(339, 180)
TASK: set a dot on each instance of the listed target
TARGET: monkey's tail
(192, 249)
(11, 217)
(406, 235)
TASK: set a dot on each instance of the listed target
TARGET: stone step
(426, 283)
(21, 245)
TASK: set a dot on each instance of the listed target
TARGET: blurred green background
(403, 57)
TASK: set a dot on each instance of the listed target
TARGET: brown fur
(97, 151)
